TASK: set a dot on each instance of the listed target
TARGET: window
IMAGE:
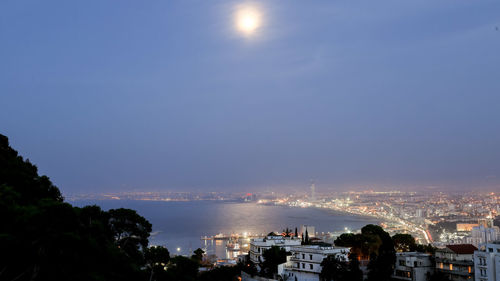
(303, 256)
(310, 266)
(451, 266)
(470, 269)
(482, 272)
(415, 263)
(490, 250)
(311, 257)
(402, 262)
(303, 265)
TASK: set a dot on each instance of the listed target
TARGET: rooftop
(462, 249)
(319, 249)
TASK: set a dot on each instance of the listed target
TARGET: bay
(180, 225)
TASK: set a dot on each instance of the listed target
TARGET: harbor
(232, 236)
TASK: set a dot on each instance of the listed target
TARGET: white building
(487, 262)
(413, 266)
(481, 234)
(456, 261)
(420, 213)
(259, 245)
(305, 262)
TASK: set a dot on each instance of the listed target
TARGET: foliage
(404, 242)
(44, 238)
(382, 257)
(131, 232)
(249, 267)
(198, 255)
(157, 258)
(429, 249)
(375, 243)
(358, 243)
(272, 258)
(156, 255)
(287, 232)
(335, 270)
(182, 269)
(23, 176)
(223, 273)
(355, 273)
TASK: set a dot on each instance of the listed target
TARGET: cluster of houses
(304, 263)
(453, 262)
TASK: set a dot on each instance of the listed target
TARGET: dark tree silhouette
(249, 267)
(43, 238)
(382, 254)
(131, 232)
(404, 242)
(224, 273)
(355, 273)
(333, 269)
(182, 269)
(198, 255)
(156, 258)
(272, 258)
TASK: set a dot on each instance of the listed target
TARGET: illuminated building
(259, 245)
(487, 262)
(413, 266)
(305, 262)
(456, 261)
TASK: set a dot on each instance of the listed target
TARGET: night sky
(172, 95)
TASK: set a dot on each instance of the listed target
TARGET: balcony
(454, 262)
(455, 272)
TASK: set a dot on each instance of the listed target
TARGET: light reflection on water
(182, 224)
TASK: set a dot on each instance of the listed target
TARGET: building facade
(305, 262)
(259, 245)
(481, 234)
(413, 266)
(456, 261)
(487, 262)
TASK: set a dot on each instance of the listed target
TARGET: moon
(248, 20)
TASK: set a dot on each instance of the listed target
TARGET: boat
(233, 246)
(220, 236)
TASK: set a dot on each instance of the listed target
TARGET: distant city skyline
(249, 95)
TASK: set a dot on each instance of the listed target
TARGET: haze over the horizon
(127, 95)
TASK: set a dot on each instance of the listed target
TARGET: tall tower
(313, 191)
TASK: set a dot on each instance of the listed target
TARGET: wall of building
(302, 276)
(487, 263)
